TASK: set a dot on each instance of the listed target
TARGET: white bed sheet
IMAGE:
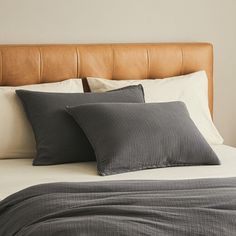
(17, 174)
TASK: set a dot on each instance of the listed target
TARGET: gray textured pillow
(58, 138)
(129, 137)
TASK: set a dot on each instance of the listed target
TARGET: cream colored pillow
(16, 135)
(192, 89)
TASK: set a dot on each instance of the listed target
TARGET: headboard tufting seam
(148, 64)
(113, 60)
(77, 62)
(182, 62)
(1, 68)
(40, 65)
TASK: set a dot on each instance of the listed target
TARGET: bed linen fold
(145, 207)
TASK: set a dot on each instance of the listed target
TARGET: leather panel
(0, 67)
(130, 62)
(20, 65)
(58, 63)
(160, 57)
(96, 61)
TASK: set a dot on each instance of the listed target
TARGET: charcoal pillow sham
(58, 138)
(129, 137)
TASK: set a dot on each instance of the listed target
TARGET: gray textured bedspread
(186, 207)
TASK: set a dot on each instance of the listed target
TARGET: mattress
(17, 174)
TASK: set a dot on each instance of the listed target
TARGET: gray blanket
(186, 207)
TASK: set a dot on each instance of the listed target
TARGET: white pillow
(16, 135)
(192, 89)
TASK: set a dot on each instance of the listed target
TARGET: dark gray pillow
(129, 137)
(58, 138)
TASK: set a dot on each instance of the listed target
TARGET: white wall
(92, 21)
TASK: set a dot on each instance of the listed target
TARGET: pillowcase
(59, 139)
(16, 135)
(192, 89)
(130, 137)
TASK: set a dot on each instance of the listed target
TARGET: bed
(194, 200)
(12, 170)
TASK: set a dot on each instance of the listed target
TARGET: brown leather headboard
(31, 64)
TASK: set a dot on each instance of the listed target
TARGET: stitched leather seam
(77, 62)
(1, 78)
(40, 65)
(182, 62)
(148, 64)
(113, 59)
